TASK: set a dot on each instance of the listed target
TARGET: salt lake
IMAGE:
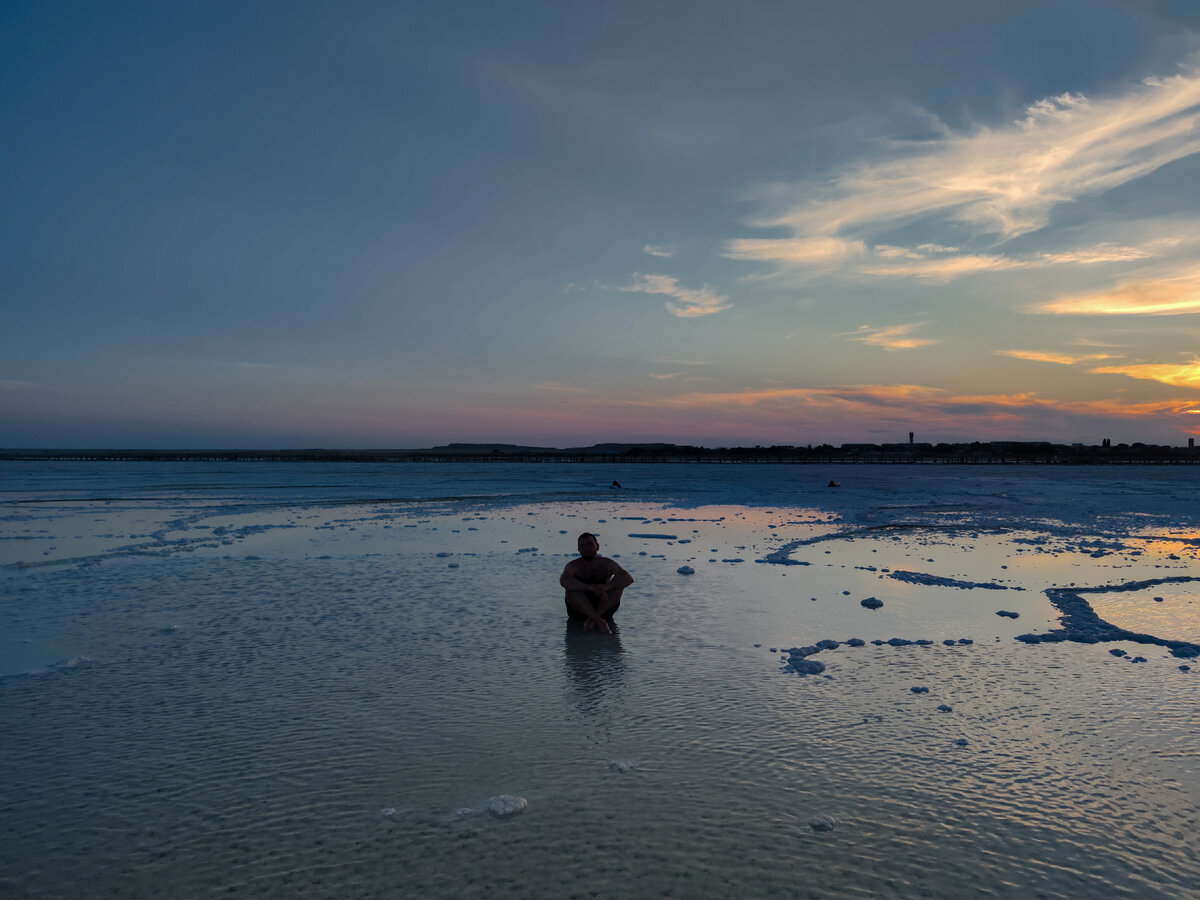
(282, 679)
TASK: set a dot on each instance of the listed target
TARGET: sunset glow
(401, 227)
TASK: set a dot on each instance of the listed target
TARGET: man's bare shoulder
(611, 564)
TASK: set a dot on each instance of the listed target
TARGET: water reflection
(595, 665)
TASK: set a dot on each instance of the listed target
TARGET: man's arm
(617, 577)
(569, 581)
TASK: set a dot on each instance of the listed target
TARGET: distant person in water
(594, 585)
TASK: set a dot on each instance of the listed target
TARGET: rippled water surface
(304, 680)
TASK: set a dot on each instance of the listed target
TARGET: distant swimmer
(833, 483)
(594, 585)
(616, 483)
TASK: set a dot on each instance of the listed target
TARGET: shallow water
(313, 683)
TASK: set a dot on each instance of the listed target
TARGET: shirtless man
(594, 585)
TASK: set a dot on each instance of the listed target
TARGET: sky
(367, 224)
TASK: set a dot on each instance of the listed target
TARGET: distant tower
(1191, 443)
(910, 437)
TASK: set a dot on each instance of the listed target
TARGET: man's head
(588, 545)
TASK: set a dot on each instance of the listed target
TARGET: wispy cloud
(1171, 294)
(934, 407)
(892, 337)
(1002, 181)
(1007, 181)
(9, 384)
(1187, 375)
(685, 303)
(943, 268)
(932, 262)
(1062, 359)
(915, 263)
(655, 250)
(1105, 253)
(806, 251)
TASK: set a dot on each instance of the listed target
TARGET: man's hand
(597, 624)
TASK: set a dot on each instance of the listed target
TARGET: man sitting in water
(594, 585)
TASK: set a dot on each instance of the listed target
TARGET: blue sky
(390, 224)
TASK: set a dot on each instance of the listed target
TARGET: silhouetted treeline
(977, 452)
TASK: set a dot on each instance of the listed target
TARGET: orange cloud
(1170, 295)
(1062, 359)
(944, 268)
(893, 337)
(932, 407)
(1178, 376)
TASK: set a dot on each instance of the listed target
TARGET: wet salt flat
(359, 681)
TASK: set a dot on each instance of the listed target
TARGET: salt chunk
(507, 805)
(822, 823)
(806, 666)
(686, 570)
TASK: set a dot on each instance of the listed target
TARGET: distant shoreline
(975, 453)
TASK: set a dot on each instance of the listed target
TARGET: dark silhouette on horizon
(974, 452)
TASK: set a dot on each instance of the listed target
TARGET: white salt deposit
(343, 636)
(506, 805)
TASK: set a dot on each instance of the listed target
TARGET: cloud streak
(1186, 376)
(1001, 182)
(892, 337)
(1171, 294)
(900, 405)
(1062, 359)
(796, 251)
(685, 303)
(905, 263)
